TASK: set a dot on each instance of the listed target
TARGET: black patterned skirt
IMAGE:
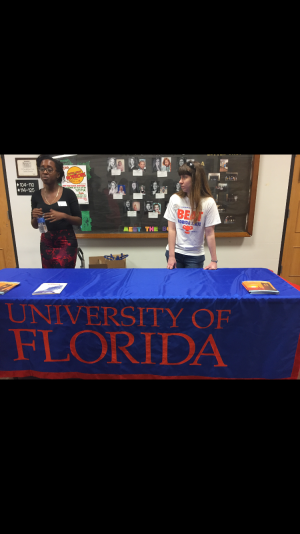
(59, 249)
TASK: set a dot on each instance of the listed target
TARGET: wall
(260, 250)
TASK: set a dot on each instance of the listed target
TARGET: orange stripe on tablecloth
(86, 376)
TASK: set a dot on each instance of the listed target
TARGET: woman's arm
(54, 216)
(75, 217)
(211, 243)
(171, 240)
(35, 213)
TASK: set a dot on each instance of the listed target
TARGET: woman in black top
(60, 208)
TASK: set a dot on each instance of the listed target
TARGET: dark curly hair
(58, 164)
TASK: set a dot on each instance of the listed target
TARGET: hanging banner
(76, 179)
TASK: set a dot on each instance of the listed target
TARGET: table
(149, 323)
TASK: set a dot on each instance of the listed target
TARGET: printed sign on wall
(27, 187)
(75, 178)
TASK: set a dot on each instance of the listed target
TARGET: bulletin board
(127, 195)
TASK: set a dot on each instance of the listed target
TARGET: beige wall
(260, 250)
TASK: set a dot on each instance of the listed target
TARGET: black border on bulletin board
(101, 209)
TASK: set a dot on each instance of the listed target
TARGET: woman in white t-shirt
(186, 226)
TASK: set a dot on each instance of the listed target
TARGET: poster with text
(75, 178)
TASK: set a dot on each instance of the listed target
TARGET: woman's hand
(36, 213)
(171, 242)
(53, 216)
(171, 263)
(211, 241)
(212, 266)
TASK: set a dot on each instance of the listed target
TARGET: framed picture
(26, 168)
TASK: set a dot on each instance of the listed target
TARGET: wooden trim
(286, 215)
(232, 234)
(152, 235)
(254, 180)
(291, 237)
(126, 235)
(7, 244)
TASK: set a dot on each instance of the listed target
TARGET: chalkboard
(232, 179)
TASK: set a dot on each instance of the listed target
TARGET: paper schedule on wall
(75, 178)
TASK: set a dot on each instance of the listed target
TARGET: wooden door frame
(286, 215)
(9, 210)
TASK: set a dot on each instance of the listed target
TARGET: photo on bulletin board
(122, 189)
(156, 164)
(180, 161)
(229, 219)
(231, 197)
(166, 164)
(222, 187)
(134, 187)
(142, 164)
(232, 177)
(127, 206)
(223, 165)
(110, 187)
(214, 176)
(221, 207)
(121, 165)
(132, 163)
(111, 164)
(157, 207)
(136, 205)
(148, 206)
(154, 187)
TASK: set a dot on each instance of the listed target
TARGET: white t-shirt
(189, 236)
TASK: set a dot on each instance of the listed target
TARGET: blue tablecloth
(148, 323)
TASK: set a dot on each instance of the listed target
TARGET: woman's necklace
(46, 195)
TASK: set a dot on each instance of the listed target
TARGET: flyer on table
(76, 179)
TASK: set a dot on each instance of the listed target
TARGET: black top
(71, 208)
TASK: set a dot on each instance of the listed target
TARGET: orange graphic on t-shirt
(75, 175)
(186, 214)
(187, 228)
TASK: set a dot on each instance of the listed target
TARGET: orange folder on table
(259, 287)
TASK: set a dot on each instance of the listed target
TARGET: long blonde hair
(200, 188)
